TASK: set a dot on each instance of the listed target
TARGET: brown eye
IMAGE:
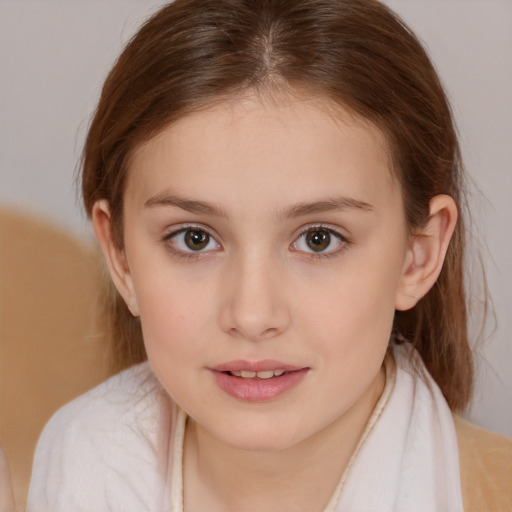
(318, 240)
(190, 240)
(321, 241)
(196, 240)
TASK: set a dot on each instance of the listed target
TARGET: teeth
(267, 374)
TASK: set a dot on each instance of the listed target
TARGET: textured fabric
(108, 450)
(486, 468)
(119, 448)
(410, 460)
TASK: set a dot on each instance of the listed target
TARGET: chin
(262, 437)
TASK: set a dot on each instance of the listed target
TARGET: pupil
(318, 240)
(196, 240)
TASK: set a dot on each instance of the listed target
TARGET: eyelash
(184, 255)
(194, 256)
(344, 241)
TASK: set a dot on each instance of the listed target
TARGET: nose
(254, 306)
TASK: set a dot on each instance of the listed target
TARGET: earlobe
(114, 256)
(426, 253)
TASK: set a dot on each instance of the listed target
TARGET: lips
(257, 381)
(265, 374)
(255, 366)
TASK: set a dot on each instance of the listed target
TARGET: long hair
(355, 53)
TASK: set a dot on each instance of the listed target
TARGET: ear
(114, 256)
(426, 253)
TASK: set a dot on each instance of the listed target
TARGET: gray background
(54, 55)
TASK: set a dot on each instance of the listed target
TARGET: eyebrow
(189, 205)
(295, 210)
(326, 205)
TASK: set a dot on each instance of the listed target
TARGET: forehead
(306, 148)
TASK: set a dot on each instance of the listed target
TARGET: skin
(258, 290)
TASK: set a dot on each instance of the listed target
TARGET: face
(270, 238)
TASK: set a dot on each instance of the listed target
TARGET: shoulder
(104, 446)
(110, 404)
(485, 467)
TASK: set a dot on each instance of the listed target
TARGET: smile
(267, 374)
(257, 382)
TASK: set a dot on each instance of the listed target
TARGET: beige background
(54, 55)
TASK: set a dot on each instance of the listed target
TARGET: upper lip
(255, 366)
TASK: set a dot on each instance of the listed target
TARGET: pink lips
(256, 389)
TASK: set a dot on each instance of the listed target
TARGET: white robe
(119, 448)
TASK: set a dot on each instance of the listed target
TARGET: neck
(301, 477)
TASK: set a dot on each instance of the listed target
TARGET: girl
(277, 190)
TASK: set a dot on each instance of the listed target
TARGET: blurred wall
(54, 55)
(54, 344)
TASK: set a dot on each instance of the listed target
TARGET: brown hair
(357, 53)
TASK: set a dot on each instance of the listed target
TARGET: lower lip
(258, 390)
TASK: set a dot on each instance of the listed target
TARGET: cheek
(357, 326)
(172, 311)
(173, 335)
(354, 314)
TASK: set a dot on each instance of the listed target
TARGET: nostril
(251, 320)
(244, 333)
(269, 333)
